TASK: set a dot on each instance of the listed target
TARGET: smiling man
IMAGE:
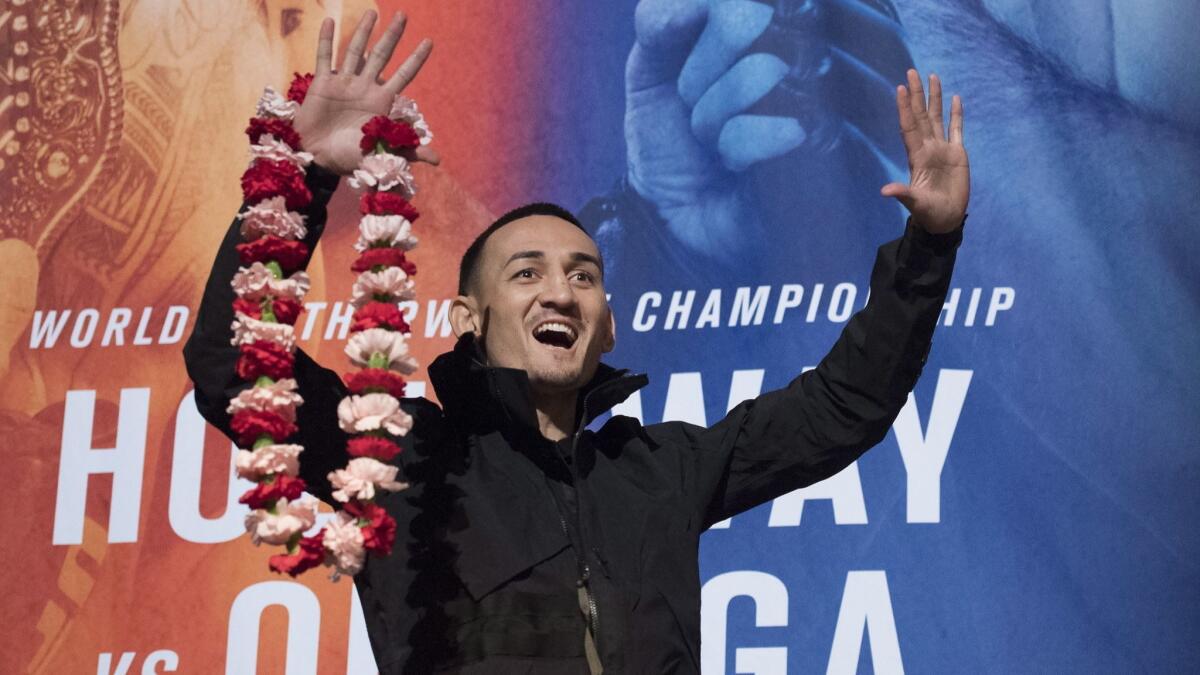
(528, 543)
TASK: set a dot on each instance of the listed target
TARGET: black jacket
(500, 524)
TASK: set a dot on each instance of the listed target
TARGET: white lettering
(303, 627)
(924, 454)
(866, 605)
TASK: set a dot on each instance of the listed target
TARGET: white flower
(270, 216)
(387, 230)
(405, 109)
(362, 477)
(277, 458)
(391, 281)
(279, 397)
(256, 282)
(393, 345)
(274, 104)
(344, 541)
(278, 528)
(371, 412)
(269, 147)
(247, 330)
(384, 171)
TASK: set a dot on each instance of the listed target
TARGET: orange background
(120, 150)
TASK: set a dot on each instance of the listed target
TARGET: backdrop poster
(1032, 509)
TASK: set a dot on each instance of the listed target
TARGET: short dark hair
(468, 267)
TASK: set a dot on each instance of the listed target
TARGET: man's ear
(610, 339)
(465, 316)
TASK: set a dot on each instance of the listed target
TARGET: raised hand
(940, 181)
(339, 102)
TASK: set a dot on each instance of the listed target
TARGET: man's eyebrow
(580, 256)
(537, 255)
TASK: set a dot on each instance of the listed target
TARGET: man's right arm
(211, 358)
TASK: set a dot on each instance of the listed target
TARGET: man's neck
(556, 414)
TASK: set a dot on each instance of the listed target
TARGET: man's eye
(526, 273)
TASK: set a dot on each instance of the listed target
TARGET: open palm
(940, 177)
(339, 102)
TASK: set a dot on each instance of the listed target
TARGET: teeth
(557, 327)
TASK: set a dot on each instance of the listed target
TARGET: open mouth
(555, 334)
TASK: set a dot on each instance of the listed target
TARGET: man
(528, 543)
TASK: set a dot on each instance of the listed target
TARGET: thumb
(900, 192)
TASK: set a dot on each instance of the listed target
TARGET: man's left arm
(826, 418)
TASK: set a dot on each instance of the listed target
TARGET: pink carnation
(384, 171)
(362, 477)
(269, 147)
(376, 231)
(248, 331)
(344, 541)
(256, 282)
(373, 412)
(391, 344)
(391, 282)
(279, 397)
(277, 528)
(271, 217)
(278, 458)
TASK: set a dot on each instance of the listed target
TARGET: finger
(909, 132)
(732, 27)
(741, 87)
(382, 52)
(409, 69)
(956, 120)
(666, 31)
(428, 155)
(353, 56)
(916, 101)
(325, 47)
(748, 139)
(935, 107)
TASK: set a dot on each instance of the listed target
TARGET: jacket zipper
(585, 572)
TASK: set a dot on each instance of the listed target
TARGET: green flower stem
(262, 441)
(263, 381)
(378, 360)
(276, 270)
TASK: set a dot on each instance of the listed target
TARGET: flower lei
(269, 291)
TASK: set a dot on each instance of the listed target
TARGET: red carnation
(279, 128)
(270, 177)
(378, 315)
(286, 310)
(370, 380)
(393, 134)
(387, 257)
(249, 425)
(387, 204)
(299, 88)
(308, 555)
(265, 494)
(263, 357)
(380, 532)
(289, 254)
(372, 446)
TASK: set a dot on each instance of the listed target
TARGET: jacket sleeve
(211, 359)
(826, 418)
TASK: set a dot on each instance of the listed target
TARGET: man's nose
(557, 292)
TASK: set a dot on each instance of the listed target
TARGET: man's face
(540, 303)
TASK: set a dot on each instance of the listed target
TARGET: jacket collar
(484, 398)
